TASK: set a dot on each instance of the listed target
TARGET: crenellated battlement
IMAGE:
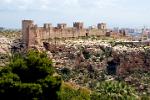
(32, 34)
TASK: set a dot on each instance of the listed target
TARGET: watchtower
(78, 25)
(62, 25)
(26, 24)
(101, 26)
(47, 25)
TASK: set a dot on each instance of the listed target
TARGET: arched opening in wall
(112, 67)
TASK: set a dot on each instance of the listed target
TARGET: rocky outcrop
(101, 55)
(131, 60)
(9, 45)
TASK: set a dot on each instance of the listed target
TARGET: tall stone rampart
(32, 34)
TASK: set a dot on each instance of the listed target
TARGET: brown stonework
(62, 26)
(47, 25)
(102, 26)
(26, 24)
(32, 34)
(78, 25)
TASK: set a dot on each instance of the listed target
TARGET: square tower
(62, 25)
(26, 24)
(47, 25)
(78, 25)
(102, 26)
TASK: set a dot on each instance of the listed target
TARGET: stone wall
(32, 34)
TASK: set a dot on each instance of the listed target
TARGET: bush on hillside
(114, 90)
(29, 77)
(70, 92)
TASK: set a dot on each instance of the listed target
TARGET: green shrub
(114, 90)
(145, 97)
(73, 93)
(32, 67)
(29, 77)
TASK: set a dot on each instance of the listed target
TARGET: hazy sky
(123, 13)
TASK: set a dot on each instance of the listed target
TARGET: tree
(29, 77)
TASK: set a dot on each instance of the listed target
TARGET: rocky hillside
(89, 62)
(9, 42)
(119, 58)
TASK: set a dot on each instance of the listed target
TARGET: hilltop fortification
(32, 34)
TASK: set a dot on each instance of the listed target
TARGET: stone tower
(47, 25)
(78, 25)
(26, 24)
(62, 25)
(102, 26)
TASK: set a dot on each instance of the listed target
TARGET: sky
(116, 13)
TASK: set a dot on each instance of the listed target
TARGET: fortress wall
(57, 33)
(40, 33)
(32, 34)
(66, 33)
(60, 33)
(25, 30)
(45, 33)
(97, 32)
